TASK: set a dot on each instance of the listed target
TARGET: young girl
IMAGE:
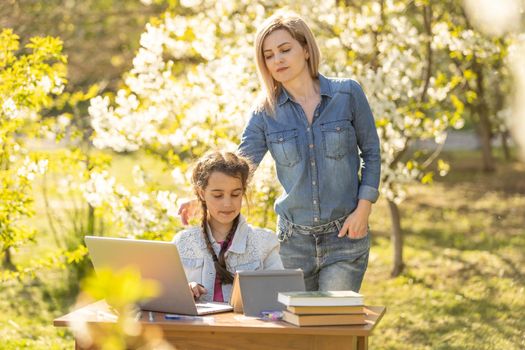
(224, 242)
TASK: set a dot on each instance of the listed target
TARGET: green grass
(463, 286)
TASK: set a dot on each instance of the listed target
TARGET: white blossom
(9, 108)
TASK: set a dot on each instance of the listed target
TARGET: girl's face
(223, 197)
(284, 56)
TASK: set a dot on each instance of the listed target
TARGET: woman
(318, 131)
(224, 242)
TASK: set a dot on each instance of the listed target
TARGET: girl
(224, 242)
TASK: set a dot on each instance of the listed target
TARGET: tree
(479, 59)
(506, 24)
(28, 81)
(99, 37)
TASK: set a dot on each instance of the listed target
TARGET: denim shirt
(318, 165)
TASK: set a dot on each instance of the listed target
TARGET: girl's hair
(299, 30)
(230, 164)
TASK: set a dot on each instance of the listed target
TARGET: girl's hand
(197, 289)
(356, 224)
(188, 210)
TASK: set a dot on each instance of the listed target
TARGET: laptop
(256, 291)
(155, 260)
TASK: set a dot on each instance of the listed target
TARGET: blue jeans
(328, 262)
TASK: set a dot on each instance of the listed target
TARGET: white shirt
(252, 248)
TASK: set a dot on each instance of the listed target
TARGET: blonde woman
(322, 136)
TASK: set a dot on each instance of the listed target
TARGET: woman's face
(223, 197)
(284, 56)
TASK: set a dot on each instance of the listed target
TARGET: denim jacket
(319, 165)
(251, 249)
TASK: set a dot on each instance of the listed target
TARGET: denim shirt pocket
(193, 268)
(338, 138)
(284, 146)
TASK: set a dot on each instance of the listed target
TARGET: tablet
(256, 291)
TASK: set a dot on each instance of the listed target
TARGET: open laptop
(155, 260)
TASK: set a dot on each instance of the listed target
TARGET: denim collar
(324, 87)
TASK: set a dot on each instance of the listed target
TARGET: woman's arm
(356, 224)
(368, 142)
(253, 140)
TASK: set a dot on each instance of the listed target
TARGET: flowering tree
(193, 82)
(27, 84)
(480, 60)
(505, 21)
(175, 107)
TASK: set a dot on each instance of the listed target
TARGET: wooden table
(236, 331)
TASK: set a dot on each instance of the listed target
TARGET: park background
(104, 104)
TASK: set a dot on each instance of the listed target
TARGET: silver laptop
(155, 260)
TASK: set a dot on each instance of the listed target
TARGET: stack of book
(321, 308)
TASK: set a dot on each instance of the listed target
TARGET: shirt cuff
(368, 192)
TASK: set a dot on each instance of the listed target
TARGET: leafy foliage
(28, 82)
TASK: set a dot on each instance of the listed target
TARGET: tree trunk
(91, 221)
(7, 261)
(485, 140)
(505, 145)
(484, 126)
(397, 239)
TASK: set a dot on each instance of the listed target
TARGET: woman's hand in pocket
(356, 224)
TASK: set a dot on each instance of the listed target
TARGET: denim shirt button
(311, 145)
(313, 183)
(315, 202)
(316, 219)
(308, 129)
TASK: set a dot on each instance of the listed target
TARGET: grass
(463, 286)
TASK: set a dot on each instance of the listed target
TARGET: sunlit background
(105, 104)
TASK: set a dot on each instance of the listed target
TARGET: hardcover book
(324, 320)
(330, 310)
(321, 298)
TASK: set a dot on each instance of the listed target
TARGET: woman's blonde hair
(299, 30)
